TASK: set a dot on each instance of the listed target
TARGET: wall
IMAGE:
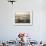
(9, 31)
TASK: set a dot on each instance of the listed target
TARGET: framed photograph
(23, 18)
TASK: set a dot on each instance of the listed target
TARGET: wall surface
(8, 30)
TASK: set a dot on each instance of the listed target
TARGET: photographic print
(23, 18)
